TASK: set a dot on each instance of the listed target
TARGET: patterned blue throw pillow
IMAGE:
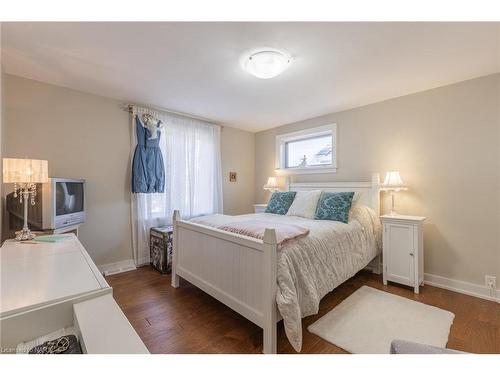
(280, 202)
(334, 206)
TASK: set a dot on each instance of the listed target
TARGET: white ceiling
(194, 67)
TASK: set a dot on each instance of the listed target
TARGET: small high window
(307, 151)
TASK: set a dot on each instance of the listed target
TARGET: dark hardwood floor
(187, 320)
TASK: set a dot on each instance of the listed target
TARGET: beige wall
(88, 136)
(81, 136)
(238, 155)
(446, 144)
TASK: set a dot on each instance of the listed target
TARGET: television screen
(69, 197)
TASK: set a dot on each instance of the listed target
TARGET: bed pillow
(280, 202)
(304, 204)
(334, 206)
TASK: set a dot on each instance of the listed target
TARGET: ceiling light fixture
(266, 63)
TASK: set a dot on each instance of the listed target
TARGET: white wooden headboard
(366, 193)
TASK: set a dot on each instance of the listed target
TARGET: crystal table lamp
(393, 183)
(25, 174)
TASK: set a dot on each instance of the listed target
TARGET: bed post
(376, 263)
(376, 193)
(175, 277)
(270, 289)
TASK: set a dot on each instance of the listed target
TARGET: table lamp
(25, 174)
(272, 184)
(393, 183)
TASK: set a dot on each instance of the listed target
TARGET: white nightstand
(403, 253)
(259, 208)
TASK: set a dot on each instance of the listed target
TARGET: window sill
(308, 170)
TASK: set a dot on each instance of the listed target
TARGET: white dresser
(403, 250)
(46, 287)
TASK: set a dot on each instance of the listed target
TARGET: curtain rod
(128, 108)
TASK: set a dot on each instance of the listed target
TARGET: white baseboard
(117, 267)
(475, 290)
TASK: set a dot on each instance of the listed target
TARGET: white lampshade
(272, 184)
(393, 181)
(25, 171)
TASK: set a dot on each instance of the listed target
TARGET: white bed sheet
(312, 266)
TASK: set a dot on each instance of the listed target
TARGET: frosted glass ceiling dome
(266, 63)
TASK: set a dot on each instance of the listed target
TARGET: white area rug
(369, 319)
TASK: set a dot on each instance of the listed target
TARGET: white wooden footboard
(236, 270)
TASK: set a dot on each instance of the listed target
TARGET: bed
(265, 283)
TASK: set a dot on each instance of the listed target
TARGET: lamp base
(24, 235)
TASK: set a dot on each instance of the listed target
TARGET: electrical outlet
(491, 284)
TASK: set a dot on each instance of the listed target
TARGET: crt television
(59, 203)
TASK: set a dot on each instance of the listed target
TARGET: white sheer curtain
(193, 180)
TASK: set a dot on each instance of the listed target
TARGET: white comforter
(312, 266)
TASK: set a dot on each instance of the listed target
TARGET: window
(307, 151)
(193, 180)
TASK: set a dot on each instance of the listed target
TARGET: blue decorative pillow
(334, 206)
(280, 202)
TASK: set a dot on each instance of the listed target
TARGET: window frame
(319, 131)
